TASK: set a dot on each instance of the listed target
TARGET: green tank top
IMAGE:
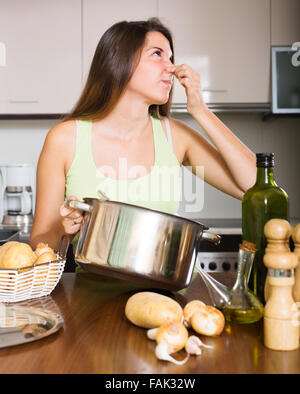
(160, 189)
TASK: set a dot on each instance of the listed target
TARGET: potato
(151, 310)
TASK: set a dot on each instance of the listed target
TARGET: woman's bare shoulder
(62, 133)
(186, 137)
(187, 134)
(182, 132)
(181, 127)
(60, 144)
(180, 138)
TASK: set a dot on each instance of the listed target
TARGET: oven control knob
(212, 266)
(226, 266)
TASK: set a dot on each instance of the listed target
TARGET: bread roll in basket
(25, 273)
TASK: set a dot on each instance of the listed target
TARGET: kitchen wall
(22, 140)
(278, 135)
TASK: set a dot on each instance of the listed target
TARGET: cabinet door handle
(29, 100)
(2, 54)
(215, 90)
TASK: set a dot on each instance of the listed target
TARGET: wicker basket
(30, 282)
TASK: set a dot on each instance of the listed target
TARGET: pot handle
(211, 237)
(64, 245)
(82, 206)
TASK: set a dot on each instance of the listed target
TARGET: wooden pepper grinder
(280, 243)
(296, 239)
(281, 331)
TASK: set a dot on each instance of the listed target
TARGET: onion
(189, 310)
(208, 321)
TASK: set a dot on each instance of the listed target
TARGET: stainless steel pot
(138, 244)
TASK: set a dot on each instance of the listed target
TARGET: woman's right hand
(71, 218)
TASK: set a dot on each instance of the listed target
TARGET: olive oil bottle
(238, 304)
(243, 306)
(264, 201)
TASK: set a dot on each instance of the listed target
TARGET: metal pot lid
(26, 324)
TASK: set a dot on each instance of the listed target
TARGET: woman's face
(153, 76)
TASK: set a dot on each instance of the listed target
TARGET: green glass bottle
(264, 201)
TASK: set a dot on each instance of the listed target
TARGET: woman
(119, 135)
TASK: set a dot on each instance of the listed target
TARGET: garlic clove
(173, 333)
(207, 346)
(163, 351)
(194, 344)
(151, 334)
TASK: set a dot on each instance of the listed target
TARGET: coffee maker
(17, 194)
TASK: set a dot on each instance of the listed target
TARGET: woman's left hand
(190, 80)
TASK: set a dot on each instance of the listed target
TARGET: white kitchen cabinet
(99, 15)
(285, 22)
(42, 42)
(46, 46)
(227, 41)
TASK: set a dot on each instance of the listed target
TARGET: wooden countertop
(97, 338)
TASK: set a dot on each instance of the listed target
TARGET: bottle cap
(264, 160)
(248, 246)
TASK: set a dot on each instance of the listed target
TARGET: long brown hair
(112, 66)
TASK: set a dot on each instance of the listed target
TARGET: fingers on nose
(171, 68)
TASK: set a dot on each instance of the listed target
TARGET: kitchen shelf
(30, 116)
(227, 107)
(269, 115)
(176, 108)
